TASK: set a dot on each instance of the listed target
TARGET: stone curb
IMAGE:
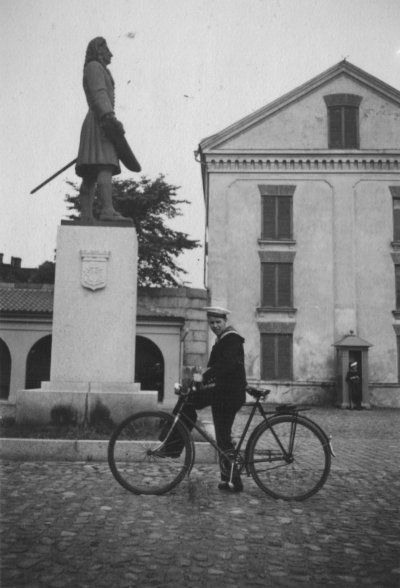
(75, 450)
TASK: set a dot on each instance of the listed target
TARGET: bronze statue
(102, 142)
(102, 136)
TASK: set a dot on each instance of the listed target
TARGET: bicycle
(287, 454)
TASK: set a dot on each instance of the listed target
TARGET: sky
(183, 69)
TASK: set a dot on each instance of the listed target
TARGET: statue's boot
(86, 196)
(111, 215)
(108, 212)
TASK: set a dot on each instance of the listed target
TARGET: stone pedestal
(94, 326)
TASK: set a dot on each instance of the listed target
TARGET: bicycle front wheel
(289, 458)
(140, 458)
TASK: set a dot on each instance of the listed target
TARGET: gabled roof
(352, 340)
(342, 68)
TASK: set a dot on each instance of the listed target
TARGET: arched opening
(149, 366)
(5, 370)
(38, 363)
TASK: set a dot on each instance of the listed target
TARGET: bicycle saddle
(256, 393)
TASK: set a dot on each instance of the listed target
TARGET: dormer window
(343, 129)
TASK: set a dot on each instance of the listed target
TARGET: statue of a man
(97, 159)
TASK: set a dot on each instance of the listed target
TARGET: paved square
(72, 525)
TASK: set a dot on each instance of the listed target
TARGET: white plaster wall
(234, 276)
(313, 356)
(375, 278)
(19, 340)
(303, 124)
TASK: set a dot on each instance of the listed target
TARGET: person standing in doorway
(354, 382)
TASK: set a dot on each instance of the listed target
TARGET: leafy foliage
(149, 204)
(45, 273)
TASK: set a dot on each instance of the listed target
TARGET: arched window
(38, 363)
(149, 366)
(5, 370)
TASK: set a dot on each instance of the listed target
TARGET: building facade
(171, 338)
(303, 234)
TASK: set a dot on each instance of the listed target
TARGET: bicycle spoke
(304, 461)
(140, 459)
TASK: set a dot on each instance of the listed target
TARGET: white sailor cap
(353, 364)
(217, 311)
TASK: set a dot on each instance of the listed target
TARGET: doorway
(5, 370)
(149, 366)
(38, 363)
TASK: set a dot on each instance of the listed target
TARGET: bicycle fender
(328, 438)
(249, 442)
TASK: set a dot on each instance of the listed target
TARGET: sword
(53, 176)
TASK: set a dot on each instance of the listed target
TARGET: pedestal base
(81, 399)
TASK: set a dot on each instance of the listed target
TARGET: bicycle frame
(256, 406)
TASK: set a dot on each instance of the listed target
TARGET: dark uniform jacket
(226, 368)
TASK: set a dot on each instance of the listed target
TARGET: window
(276, 212)
(277, 290)
(398, 357)
(395, 190)
(397, 278)
(277, 217)
(343, 131)
(276, 356)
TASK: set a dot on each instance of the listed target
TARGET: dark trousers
(355, 395)
(223, 417)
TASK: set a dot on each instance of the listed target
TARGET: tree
(45, 273)
(149, 204)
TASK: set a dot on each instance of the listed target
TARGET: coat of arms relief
(94, 269)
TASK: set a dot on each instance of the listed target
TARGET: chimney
(16, 262)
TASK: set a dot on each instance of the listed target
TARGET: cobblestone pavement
(72, 525)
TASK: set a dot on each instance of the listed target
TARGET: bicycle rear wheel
(298, 471)
(139, 459)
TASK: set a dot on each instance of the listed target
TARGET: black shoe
(233, 487)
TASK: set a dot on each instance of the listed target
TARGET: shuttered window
(343, 114)
(276, 217)
(343, 127)
(276, 356)
(396, 219)
(398, 358)
(277, 285)
(397, 276)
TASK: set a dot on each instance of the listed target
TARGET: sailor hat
(217, 311)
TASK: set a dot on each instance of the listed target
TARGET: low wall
(385, 395)
(311, 393)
